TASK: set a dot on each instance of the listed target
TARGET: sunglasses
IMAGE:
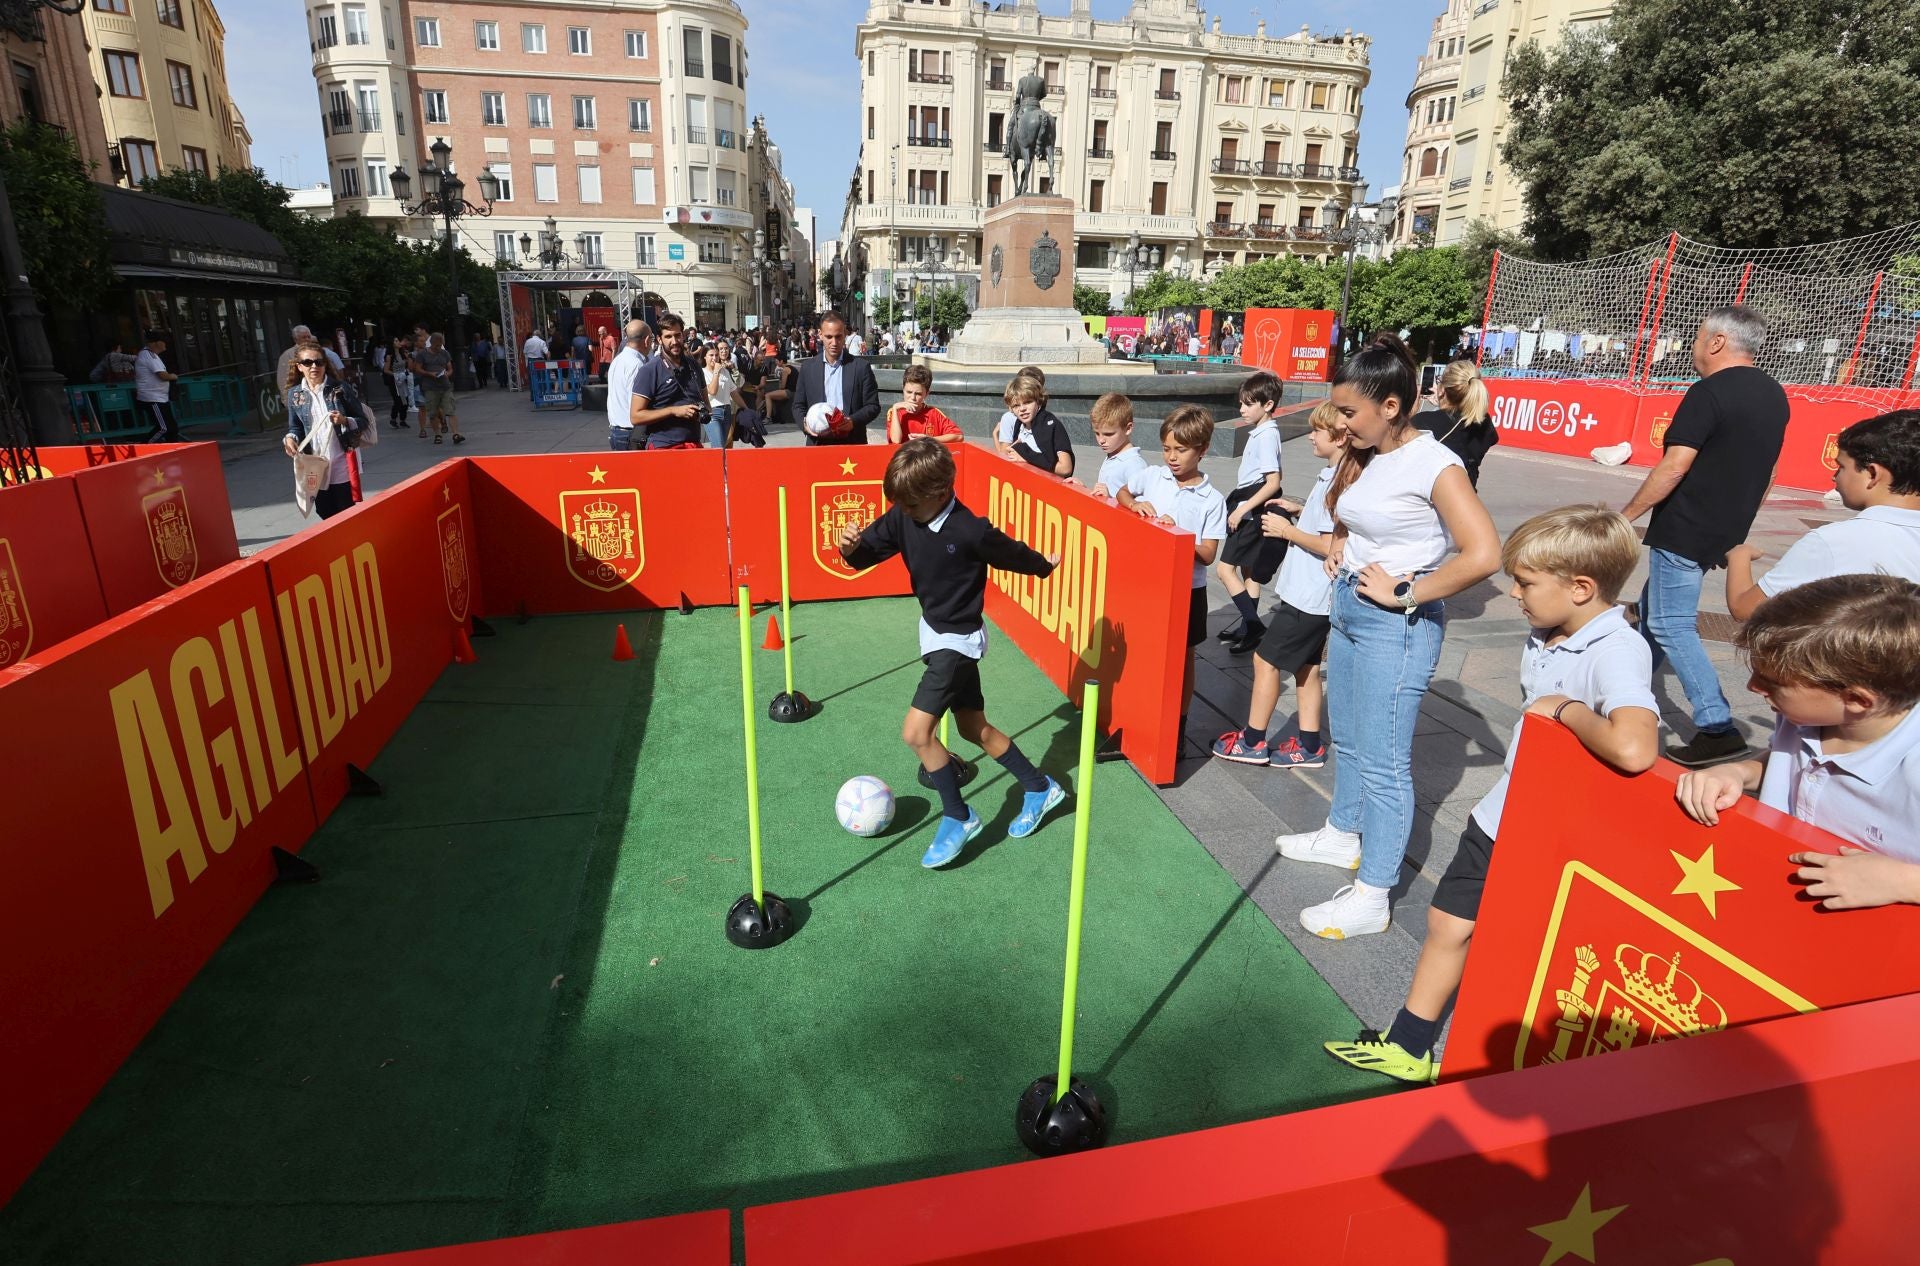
(313, 362)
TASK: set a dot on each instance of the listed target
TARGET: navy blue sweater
(948, 568)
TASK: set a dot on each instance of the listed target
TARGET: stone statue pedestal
(1026, 314)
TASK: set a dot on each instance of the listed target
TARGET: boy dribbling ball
(1585, 667)
(947, 549)
(915, 416)
(1839, 660)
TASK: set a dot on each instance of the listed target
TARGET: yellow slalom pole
(1076, 900)
(786, 609)
(945, 727)
(753, 762)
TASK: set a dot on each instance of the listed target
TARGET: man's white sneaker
(1330, 846)
(1355, 910)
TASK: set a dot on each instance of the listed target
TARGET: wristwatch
(1403, 594)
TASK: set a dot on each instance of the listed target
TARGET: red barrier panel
(1786, 1143)
(1115, 610)
(156, 521)
(686, 1239)
(64, 459)
(1811, 453)
(827, 487)
(1612, 920)
(601, 531)
(163, 760)
(1571, 417)
(48, 588)
(368, 603)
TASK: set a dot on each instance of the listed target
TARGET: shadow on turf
(847, 690)
(1057, 759)
(908, 813)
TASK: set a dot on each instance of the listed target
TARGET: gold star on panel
(597, 475)
(1699, 879)
(846, 467)
(1574, 1233)
(446, 493)
(159, 475)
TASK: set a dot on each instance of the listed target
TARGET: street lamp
(1344, 227)
(443, 193)
(760, 277)
(552, 255)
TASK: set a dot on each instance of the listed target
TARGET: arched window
(1443, 162)
(1429, 161)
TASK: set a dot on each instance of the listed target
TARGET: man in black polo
(1720, 453)
(670, 392)
(842, 380)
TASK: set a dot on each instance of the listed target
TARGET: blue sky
(805, 81)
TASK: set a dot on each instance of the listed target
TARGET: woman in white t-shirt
(1400, 501)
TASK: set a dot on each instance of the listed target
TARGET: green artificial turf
(510, 1007)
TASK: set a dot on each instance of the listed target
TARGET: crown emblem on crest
(600, 511)
(849, 502)
(1676, 997)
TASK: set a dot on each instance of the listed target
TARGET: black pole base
(1075, 1124)
(361, 783)
(288, 869)
(790, 709)
(1109, 750)
(752, 926)
(966, 767)
(479, 627)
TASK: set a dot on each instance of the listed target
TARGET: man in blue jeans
(1718, 465)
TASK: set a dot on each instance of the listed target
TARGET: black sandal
(436, 439)
(459, 438)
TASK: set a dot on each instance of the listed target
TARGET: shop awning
(164, 273)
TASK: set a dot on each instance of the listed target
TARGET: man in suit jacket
(842, 380)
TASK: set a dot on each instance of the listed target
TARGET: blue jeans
(714, 430)
(1378, 665)
(620, 438)
(1669, 614)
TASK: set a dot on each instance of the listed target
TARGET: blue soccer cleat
(1036, 806)
(950, 838)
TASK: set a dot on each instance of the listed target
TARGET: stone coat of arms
(1044, 259)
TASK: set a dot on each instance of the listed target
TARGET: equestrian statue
(1029, 133)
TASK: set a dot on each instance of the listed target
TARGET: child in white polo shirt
(1179, 495)
(1250, 556)
(1302, 616)
(1112, 419)
(1585, 667)
(1877, 473)
(1839, 660)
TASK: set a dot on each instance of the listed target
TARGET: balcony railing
(1486, 6)
(1473, 92)
(993, 145)
(927, 77)
(369, 120)
(1348, 174)
(1166, 94)
(696, 135)
(1162, 155)
(1099, 152)
(1458, 183)
(340, 120)
(933, 142)
(726, 140)
(1103, 94)
(1226, 228)
(998, 85)
(1232, 167)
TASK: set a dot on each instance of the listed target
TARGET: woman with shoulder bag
(325, 420)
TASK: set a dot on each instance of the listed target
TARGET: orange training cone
(773, 642)
(462, 646)
(622, 648)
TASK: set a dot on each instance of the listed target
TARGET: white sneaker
(1356, 910)
(1330, 846)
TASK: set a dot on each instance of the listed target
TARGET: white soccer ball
(819, 419)
(864, 805)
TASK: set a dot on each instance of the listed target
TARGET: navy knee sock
(1248, 606)
(1311, 740)
(1414, 1034)
(1015, 762)
(946, 780)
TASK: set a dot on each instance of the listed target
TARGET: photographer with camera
(670, 392)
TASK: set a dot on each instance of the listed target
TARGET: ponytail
(1382, 370)
(1465, 393)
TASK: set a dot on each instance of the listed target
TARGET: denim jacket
(339, 398)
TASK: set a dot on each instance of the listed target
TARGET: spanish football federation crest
(16, 622)
(1658, 435)
(455, 571)
(171, 530)
(840, 504)
(604, 546)
(1830, 451)
(1616, 971)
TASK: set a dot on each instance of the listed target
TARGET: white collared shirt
(1878, 539)
(1303, 583)
(1196, 508)
(620, 375)
(1870, 797)
(1117, 471)
(1261, 457)
(1607, 665)
(832, 374)
(973, 645)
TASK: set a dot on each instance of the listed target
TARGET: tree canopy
(57, 212)
(1090, 300)
(1749, 123)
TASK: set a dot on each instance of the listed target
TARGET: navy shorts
(1458, 892)
(951, 683)
(1197, 616)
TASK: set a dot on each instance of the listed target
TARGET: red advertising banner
(1290, 342)
(164, 760)
(1611, 920)
(601, 531)
(48, 588)
(156, 521)
(1783, 1144)
(1114, 611)
(1125, 332)
(828, 487)
(1811, 453)
(1568, 416)
(367, 604)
